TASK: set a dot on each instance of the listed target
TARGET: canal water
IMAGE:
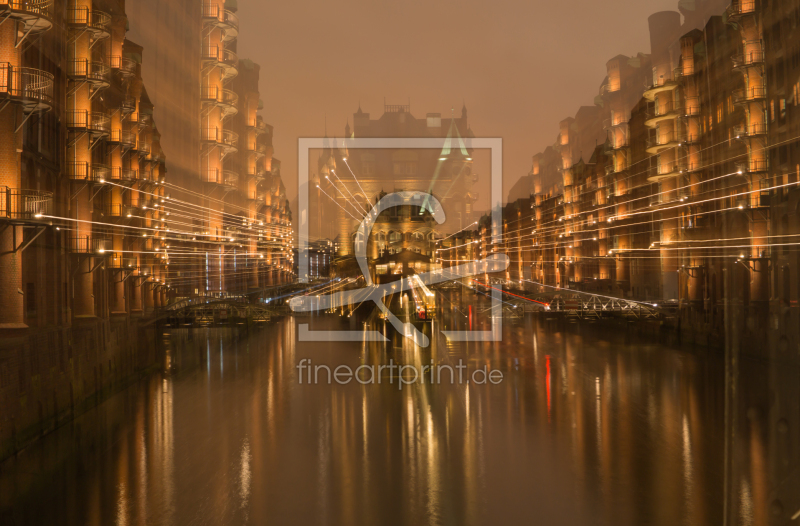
(588, 425)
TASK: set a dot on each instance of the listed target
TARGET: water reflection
(589, 426)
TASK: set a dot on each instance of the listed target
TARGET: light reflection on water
(589, 426)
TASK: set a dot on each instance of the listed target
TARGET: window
(30, 299)
(405, 168)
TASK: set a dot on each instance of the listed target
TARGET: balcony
(754, 166)
(210, 54)
(126, 139)
(613, 143)
(78, 68)
(740, 8)
(685, 70)
(225, 59)
(119, 210)
(227, 179)
(135, 202)
(100, 172)
(128, 106)
(223, 19)
(89, 244)
(660, 86)
(137, 119)
(125, 66)
(96, 73)
(31, 88)
(672, 197)
(692, 138)
(118, 260)
(77, 120)
(149, 204)
(609, 88)
(224, 99)
(24, 205)
(692, 107)
(754, 57)
(79, 171)
(97, 23)
(257, 174)
(695, 226)
(146, 175)
(100, 125)
(613, 168)
(664, 141)
(124, 175)
(260, 127)
(135, 145)
(227, 140)
(665, 171)
(230, 178)
(662, 112)
(230, 63)
(752, 130)
(144, 148)
(748, 95)
(35, 15)
(99, 75)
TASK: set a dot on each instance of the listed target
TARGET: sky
(519, 66)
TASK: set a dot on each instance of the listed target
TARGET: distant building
(402, 239)
(320, 258)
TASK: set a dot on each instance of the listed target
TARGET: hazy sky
(520, 66)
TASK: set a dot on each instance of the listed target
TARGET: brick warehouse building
(679, 186)
(95, 234)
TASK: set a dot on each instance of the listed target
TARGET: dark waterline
(588, 426)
